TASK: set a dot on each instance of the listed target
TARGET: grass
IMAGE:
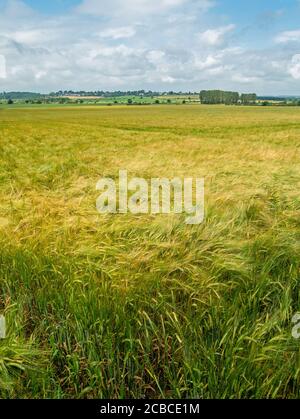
(125, 306)
(102, 101)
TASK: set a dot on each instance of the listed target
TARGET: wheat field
(145, 306)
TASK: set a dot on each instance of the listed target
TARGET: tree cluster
(248, 99)
(212, 97)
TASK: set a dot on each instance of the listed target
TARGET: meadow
(145, 306)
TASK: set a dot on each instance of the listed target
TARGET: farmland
(132, 306)
(107, 100)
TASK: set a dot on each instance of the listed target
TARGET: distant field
(125, 306)
(174, 99)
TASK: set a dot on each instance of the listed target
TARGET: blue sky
(53, 6)
(151, 44)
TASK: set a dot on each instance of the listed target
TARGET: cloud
(17, 9)
(139, 44)
(206, 62)
(294, 67)
(34, 36)
(133, 8)
(118, 33)
(2, 67)
(215, 37)
(128, 7)
(288, 36)
(239, 78)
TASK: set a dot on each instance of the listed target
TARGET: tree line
(20, 95)
(214, 97)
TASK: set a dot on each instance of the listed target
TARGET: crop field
(145, 306)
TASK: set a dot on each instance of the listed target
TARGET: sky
(164, 45)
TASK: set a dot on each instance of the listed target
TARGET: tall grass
(146, 306)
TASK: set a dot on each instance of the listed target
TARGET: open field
(122, 306)
(175, 99)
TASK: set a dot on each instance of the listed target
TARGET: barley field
(145, 306)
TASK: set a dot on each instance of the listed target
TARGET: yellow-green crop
(124, 306)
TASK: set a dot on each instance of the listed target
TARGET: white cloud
(215, 37)
(155, 56)
(219, 70)
(294, 68)
(288, 36)
(118, 33)
(2, 67)
(168, 79)
(40, 74)
(240, 78)
(34, 36)
(132, 8)
(206, 62)
(135, 7)
(138, 44)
